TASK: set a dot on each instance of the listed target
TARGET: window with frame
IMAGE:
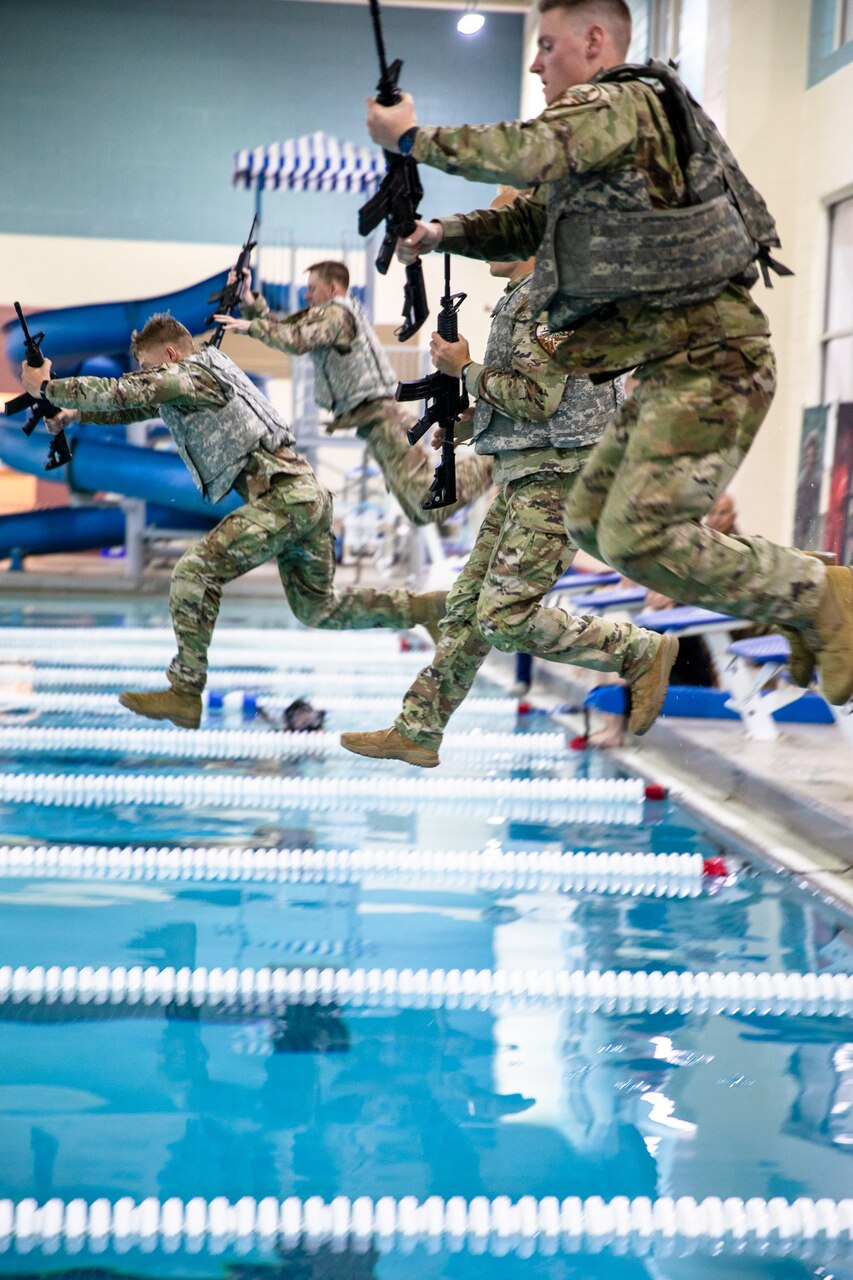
(656, 26)
(837, 339)
(844, 23)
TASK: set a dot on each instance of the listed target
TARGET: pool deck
(791, 799)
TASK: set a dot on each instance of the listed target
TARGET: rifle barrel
(23, 322)
(380, 42)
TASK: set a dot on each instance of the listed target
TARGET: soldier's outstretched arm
(134, 396)
(311, 330)
(508, 234)
(589, 127)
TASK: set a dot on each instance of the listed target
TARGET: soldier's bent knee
(503, 632)
(311, 613)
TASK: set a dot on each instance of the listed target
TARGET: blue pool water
(99, 1101)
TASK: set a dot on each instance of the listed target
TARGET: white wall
(796, 145)
(58, 271)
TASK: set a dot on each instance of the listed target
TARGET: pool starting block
(621, 599)
(755, 663)
(697, 703)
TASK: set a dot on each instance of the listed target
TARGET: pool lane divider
(613, 800)
(252, 744)
(243, 701)
(364, 657)
(257, 992)
(668, 1226)
(262, 639)
(671, 875)
(297, 682)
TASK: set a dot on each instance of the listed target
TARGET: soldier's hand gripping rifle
(447, 399)
(228, 299)
(60, 451)
(397, 199)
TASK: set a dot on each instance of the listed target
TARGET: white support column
(134, 514)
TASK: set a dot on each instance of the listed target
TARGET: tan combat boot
(803, 660)
(428, 610)
(390, 744)
(181, 706)
(649, 689)
(834, 627)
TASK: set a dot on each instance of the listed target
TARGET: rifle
(60, 451)
(397, 199)
(449, 399)
(230, 296)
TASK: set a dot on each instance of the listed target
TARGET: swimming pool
(288, 1011)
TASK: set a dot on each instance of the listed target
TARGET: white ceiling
(487, 6)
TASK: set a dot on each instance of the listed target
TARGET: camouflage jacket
(186, 390)
(590, 128)
(304, 331)
(525, 385)
(351, 369)
(136, 397)
(524, 401)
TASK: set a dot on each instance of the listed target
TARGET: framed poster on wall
(838, 536)
(807, 511)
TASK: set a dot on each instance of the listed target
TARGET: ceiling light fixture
(471, 21)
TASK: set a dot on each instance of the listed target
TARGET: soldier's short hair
(332, 273)
(160, 330)
(615, 14)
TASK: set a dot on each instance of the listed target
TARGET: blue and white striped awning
(314, 162)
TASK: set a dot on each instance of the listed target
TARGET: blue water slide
(101, 466)
(94, 339)
(36, 533)
(73, 334)
(160, 479)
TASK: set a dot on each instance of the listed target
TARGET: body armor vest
(215, 443)
(581, 416)
(604, 242)
(345, 379)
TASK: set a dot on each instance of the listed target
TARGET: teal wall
(824, 57)
(127, 113)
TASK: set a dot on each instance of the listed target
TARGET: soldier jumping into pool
(230, 437)
(648, 238)
(539, 427)
(355, 382)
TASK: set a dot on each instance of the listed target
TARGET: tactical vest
(215, 443)
(345, 379)
(581, 416)
(604, 242)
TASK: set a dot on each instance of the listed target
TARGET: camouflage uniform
(706, 371)
(407, 469)
(287, 516)
(524, 544)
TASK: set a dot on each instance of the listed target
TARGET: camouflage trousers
(522, 548)
(292, 524)
(668, 454)
(408, 469)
